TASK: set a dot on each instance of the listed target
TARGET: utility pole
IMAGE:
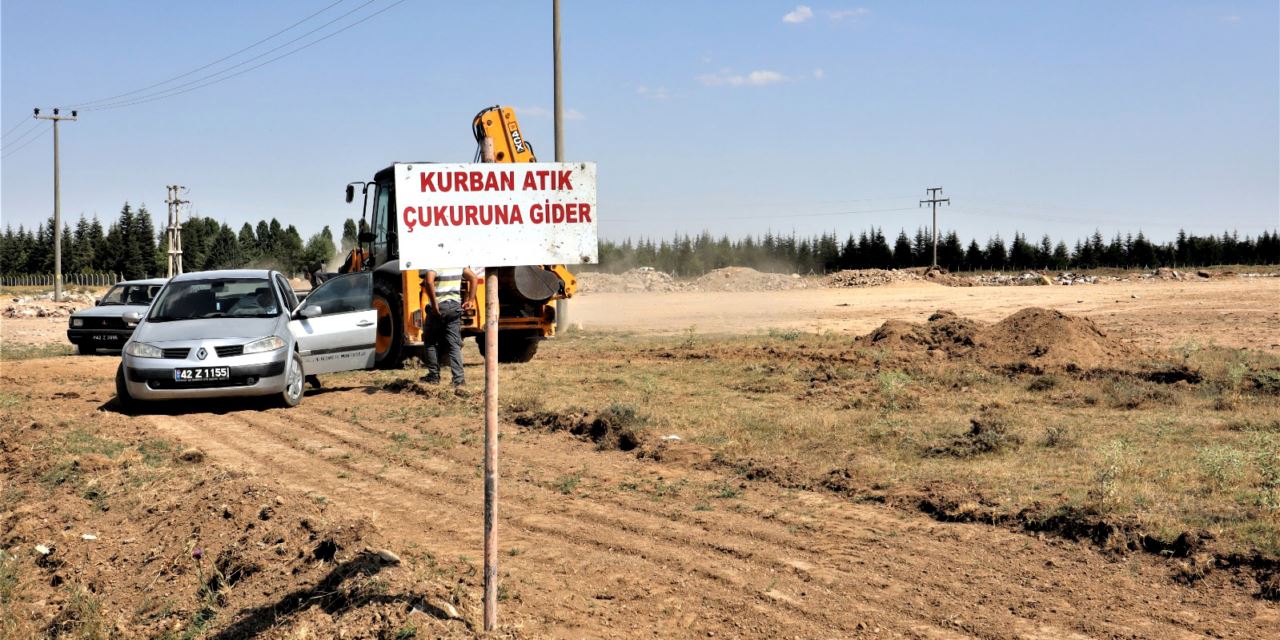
(562, 305)
(57, 203)
(174, 233)
(934, 200)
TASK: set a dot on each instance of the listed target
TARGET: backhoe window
(381, 209)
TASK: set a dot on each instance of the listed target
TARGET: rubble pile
(1028, 278)
(1165, 273)
(43, 306)
(857, 278)
(1068, 278)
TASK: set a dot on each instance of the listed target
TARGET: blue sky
(728, 116)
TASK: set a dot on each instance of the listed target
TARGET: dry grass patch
(1143, 448)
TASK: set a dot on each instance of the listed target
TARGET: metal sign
(496, 214)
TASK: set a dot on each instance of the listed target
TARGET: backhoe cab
(527, 295)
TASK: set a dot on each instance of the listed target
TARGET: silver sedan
(243, 333)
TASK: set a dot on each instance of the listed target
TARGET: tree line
(133, 247)
(694, 255)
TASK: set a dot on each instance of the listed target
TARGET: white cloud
(758, 78)
(574, 114)
(819, 74)
(1231, 18)
(801, 14)
(841, 14)
(653, 93)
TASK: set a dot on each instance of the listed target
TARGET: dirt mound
(945, 332)
(615, 427)
(1032, 337)
(1047, 337)
(938, 275)
(746, 279)
(632, 281)
(857, 278)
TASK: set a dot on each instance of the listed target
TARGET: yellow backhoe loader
(528, 294)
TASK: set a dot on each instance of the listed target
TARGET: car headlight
(143, 350)
(270, 343)
(77, 322)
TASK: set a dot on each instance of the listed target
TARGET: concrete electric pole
(57, 203)
(174, 232)
(562, 305)
(934, 200)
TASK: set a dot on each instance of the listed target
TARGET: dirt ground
(596, 541)
(1236, 312)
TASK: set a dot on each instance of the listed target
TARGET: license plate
(202, 374)
(106, 337)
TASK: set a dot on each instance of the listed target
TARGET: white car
(243, 333)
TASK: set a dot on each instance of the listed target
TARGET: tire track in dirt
(279, 460)
(579, 523)
(903, 604)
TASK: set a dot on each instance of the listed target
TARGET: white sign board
(496, 215)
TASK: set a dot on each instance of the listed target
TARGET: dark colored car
(103, 326)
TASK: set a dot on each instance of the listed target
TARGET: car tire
(294, 382)
(124, 399)
(86, 349)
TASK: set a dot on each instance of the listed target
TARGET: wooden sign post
(490, 449)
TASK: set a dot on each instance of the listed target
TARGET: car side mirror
(365, 237)
(309, 311)
(132, 317)
(97, 302)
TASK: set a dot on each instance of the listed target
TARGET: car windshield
(220, 298)
(140, 294)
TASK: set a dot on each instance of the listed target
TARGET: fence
(68, 279)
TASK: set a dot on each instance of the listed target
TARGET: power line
(19, 147)
(219, 60)
(200, 83)
(25, 134)
(779, 217)
(21, 124)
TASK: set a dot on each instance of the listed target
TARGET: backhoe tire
(513, 347)
(389, 335)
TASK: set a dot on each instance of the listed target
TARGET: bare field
(831, 475)
(1236, 312)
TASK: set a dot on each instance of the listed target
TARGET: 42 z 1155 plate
(201, 374)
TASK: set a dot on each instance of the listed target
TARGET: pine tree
(145, 233)
(973, 257)
(903, 253)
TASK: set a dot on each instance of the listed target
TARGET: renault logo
(201, 354)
